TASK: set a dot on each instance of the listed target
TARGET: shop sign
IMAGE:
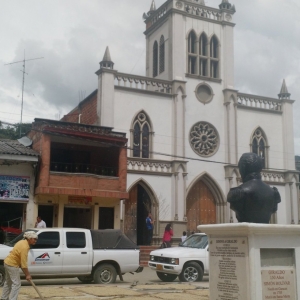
(14, 187)
(80, 200)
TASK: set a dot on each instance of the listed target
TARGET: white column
(288, 135)
(105, 97)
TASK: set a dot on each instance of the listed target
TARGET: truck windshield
(18, 238)
(195, 241)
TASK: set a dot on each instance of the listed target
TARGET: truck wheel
(85, 279)
(2, 275)
(191, 272)
(166, 277)
(105, 274)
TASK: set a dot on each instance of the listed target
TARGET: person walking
(16, 259)
(150, 225)
(168, 235)
(40, 223)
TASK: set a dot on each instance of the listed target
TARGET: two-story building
(81, 176)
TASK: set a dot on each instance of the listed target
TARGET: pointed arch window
(259, 145)
(155, 59)
(214, 57)
(203, 61)
(141, 136)
(203, 55)
(161, 54)
(192, 53)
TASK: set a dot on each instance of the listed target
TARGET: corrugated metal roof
(13, 147)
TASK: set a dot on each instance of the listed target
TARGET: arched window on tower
(259, 145)
(155, 59)
(141, 136)
(203, 65)
(161, 54)
(214, 57)
(192, 53)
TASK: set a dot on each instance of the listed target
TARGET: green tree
(13, 132)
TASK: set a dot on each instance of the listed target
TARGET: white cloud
(72, 36)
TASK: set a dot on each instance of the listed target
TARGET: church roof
(153, 6)
(106, 56)
(284, 89)
(284, 93)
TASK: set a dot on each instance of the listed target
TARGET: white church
(187, 125)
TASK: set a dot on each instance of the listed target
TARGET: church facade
(187, 125)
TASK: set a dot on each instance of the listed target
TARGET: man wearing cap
(16, 259)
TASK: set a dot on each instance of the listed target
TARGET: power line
(151, 152)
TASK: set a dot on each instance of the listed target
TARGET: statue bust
(253, 201)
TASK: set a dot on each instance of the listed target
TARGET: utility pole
(23, 83)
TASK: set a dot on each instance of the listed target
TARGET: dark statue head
(250, 164)
(253, 201)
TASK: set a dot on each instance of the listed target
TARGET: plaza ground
(144, 286)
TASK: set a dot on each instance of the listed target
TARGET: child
(183, 238)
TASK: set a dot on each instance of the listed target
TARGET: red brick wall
(45, 161)
(83, 182)
(123, 169)
(88, 111)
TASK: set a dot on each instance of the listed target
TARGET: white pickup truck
(90, 255)
(189, 261)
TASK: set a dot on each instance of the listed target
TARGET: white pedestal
(253, 261)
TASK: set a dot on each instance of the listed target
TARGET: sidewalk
(162, 291)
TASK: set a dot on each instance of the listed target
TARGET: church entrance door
(201, 206)
(136, 211)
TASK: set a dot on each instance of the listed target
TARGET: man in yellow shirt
(16, 259)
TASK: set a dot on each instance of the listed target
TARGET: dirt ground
(174, 291)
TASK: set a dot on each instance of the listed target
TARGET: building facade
(82, 174)
(18, 165)
(187, 125)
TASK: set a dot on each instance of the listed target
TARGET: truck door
(77, 253)
(46, 256)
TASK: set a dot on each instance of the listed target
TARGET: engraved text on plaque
(228, 265)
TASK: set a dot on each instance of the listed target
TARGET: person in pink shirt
(168, 235)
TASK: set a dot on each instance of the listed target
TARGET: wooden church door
(131, 214)
(201, 207)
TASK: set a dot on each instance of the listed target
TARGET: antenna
(23, 83)
(81, 96)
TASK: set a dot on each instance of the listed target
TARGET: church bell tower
(186, 38)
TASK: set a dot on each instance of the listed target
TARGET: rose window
(204, 139)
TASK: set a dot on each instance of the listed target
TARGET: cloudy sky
(72, 35)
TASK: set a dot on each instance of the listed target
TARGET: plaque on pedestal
(228, 262)
(250, 261)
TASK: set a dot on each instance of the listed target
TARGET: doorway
(46, 213)
(106, 217)
(200, 206)
(11, 214)
(11, 220)
(136, 212)
(78, 217)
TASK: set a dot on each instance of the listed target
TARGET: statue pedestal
(250, 261)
